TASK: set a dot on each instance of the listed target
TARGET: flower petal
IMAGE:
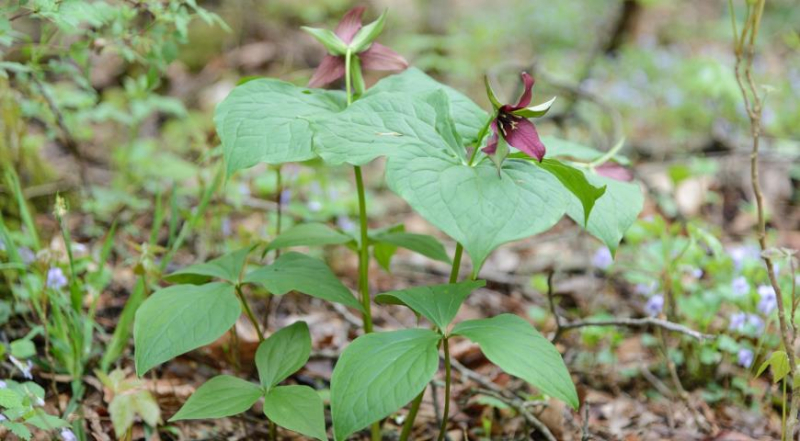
(614, 171)
(350, 24)
(380, 57)
(330, 69)
(524, 137)
(525, 99)
(491, 146)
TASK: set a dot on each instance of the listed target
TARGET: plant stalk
(279, 205)
(249, 313)
(446, 412)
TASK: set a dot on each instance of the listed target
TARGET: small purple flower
(286, 196)
(742, 253)
(314, 206)
(56, 278)
(697, 273)
(745, 358)
(374, 57)
(654, 305)
(244, 190)
(345, 223)
(645, 289)
(755, 322)
(3, 417)
(68, 435)
(602, 258)
(225, 227)
(3, 384)
(27, 255)
(737, 321)
(511, 122)
(740, 286)
(768, 301)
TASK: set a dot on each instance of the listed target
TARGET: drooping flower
(511, 124)
(602, 258)
(740, 286)
(351, 35)
(615, 171)
(654, 305)
(768, 301)
(745, 358)
(56, 278)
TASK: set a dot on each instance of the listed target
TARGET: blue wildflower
(56, 278)
(745, 358)
(602, 258)
(654, 305)
(768, 301)
(740, 286)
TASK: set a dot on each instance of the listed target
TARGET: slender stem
(249, 313)
(446, 412)
(348, 76)
(363, 260)
(278, 203)
(481, 135)
(783, 412)
(273, 431)
(412, 413)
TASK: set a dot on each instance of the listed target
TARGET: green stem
(273, 431)
(481, 135)
(249, 313)
(446, 412)
(412, 412)
(783, 412)
(363, 253)
(278, 198)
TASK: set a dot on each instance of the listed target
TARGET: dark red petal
(350, 24)
(522, 135)
(380, 57)
(330, 69)
(525, 99)
(614, 171)
(491, 146)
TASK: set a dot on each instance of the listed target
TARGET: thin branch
(640, 323)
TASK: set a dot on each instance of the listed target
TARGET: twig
(640, 323)
(512, 400)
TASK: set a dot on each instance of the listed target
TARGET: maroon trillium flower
(374, 56)
(511, 122)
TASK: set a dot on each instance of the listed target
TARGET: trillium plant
(482, 178)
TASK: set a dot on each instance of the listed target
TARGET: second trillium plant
(453, 163)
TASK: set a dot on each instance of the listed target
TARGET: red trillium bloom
(511, 122)
(374, 56)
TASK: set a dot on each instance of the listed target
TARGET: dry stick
(639, 323)
(754, 106)
(517, 403)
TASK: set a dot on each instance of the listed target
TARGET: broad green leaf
(219, 397)
(473, 205)
(297, 408)
(381, 125)
(420, 243)
(377, 374)
(180, 318)
(779, 364)
(563, 149)
(575, 181)
(516, 347)
(17, 429)
(44, 421)
(613, 213)
(309, 234)
(267, 120)
(10, 399)
(308, 275)
(469, 117)
(438, 303)
(227, 267)
(283, 354)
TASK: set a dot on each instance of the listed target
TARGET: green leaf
(367, 34)
(123, 412)
(516, 347)
(267, 120)
(779, 363)
(219, 397)
(378, 373)
(44, 421)
(379, 125)
(613, 213)
(309, 234)
(180, 318)
(537, 111)
(297, 408)
(575, 181)
(473, 205)
(283, 354)
(226, 267)
(438, 303)
(327, 38)
(10, 399)
(23, 348)
(17, 429)
(420, 243)
(298, 272)
(469, 117)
